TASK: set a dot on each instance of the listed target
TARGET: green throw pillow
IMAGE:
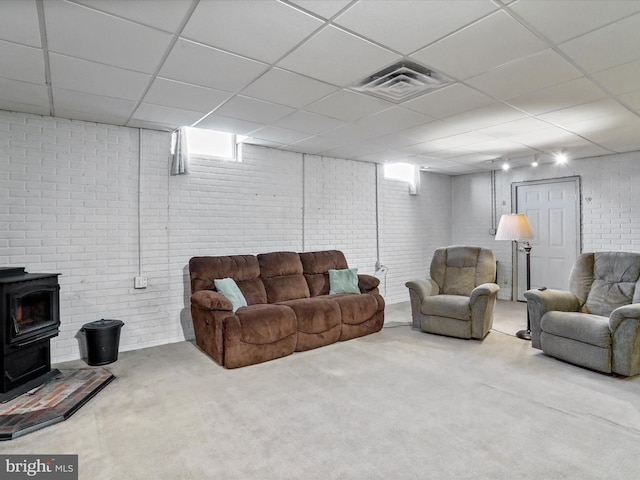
(343, 281)
(229, 288)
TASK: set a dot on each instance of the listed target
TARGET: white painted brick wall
(340, 209)
(412, 227)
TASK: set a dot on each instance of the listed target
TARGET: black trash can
(103, 340)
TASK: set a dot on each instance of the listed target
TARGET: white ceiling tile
(326, 8)
(606, 47)
(621, 79)
(170, 93)
(165, 16)
(226, 124)
(548, 139)
(486, 44)
(19, 22)
(391, 120)
(71, 73)
(560, 20)
(556, 97)
(483, 117)
(274, 28)
(585, 112)
(10, 105)
(310, 123)
(502, 147)
(151, 125)
(23, 92)
(411, 24)
(279, 135)
(287, 88)
(19, 62)
(516, 127)
(316, 144)
(66, 100)
(208, 67)
(96, 117)
(171, 116)
(525, 75)
(85, 33)
(459, 140)
(632, 99)
(448, 101)
(337, 57)
(617, 132)
(245, 108)
(348, 106)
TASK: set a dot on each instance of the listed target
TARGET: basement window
(404, 172)
(211, 144)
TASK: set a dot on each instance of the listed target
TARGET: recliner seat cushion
(264, 324)
(451, 306)
(582, 327)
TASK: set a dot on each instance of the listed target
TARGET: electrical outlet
(140, 281)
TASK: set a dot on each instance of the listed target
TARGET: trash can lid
(103, 323)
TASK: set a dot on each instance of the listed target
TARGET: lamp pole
(526, 334)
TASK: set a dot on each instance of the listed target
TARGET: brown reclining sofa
(289, 308)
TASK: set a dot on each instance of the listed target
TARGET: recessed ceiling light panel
(402, 81)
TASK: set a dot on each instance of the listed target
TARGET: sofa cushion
(582, 327)
(316, 266)
(615, 275)
(281, 274)
(315, 315)
(356, 309)
(451, 306)
(263, 324)
(343, 281)
(229, 288)
(244, 269)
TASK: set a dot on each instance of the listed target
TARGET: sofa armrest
(367, 283)
(624, 323)
(483, 289)
(540, 302)
(210, 300)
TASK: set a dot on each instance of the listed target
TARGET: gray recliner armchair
(597, 323)
(459, 297)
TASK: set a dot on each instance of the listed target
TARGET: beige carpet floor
(399, 404)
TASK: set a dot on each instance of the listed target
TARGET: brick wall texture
(96, 203)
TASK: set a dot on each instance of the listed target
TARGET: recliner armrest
(210, 300)
(540, 302)
(423, 288)
(483, 289)
(624, 323)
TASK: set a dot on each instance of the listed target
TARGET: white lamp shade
(514, 226)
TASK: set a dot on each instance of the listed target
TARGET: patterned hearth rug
(52, 402)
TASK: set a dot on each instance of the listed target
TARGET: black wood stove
(29, 318)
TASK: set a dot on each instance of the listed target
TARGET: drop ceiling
(525, 78)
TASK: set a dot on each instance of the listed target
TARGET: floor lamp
(516, 227)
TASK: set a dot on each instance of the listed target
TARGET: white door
(552, 207)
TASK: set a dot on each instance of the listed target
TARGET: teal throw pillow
(343, 281)
(229, 288)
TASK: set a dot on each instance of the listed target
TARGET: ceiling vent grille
(402, 81)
